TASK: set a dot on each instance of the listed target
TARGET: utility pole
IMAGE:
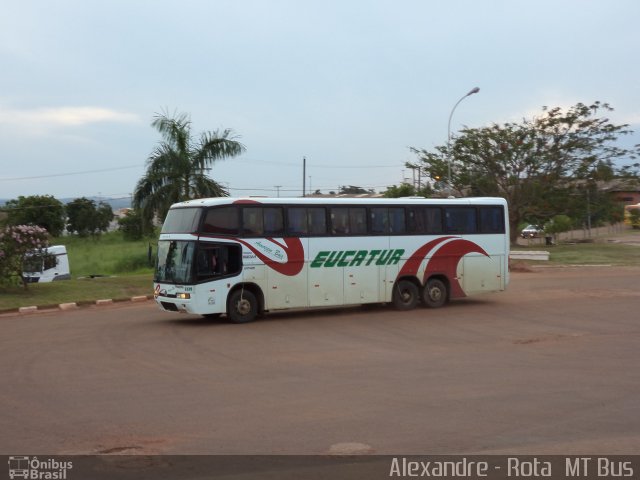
(588, 211)
(304, 175)
(277, 187)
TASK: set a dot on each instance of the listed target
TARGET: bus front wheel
(434, 294)
(242, 306)
(405, 295)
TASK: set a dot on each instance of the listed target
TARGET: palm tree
(177, 168)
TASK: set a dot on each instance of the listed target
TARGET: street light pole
(471, 92)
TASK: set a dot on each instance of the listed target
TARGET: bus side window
(397, 224)
(413, 217)
(340, 221)
(460, 220)
(217, 260)
(424, 220)
(379, 220)
(432, 220)
(221, 220)
(317, 220)
(273, 221)
(358, 220)
(252, 221)
(297, 221)
(491, 220)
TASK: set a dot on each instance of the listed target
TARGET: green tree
(558, 224)
(85, 218)
(406, 190)
(132, 225)
(104, 216)
(17, 242)
(354, 190)
(177, 169)
(534, 163)
(41, 210)
(398, 191)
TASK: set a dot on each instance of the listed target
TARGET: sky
(348, 84)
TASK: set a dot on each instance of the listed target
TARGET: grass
(589, 254)
(83, 290)
(595, 254)
(110, 254)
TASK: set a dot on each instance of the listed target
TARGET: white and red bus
(245, 256)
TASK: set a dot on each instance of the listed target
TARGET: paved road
(550, 366)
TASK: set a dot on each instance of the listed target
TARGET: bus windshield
(175, 260)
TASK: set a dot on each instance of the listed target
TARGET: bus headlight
(183, 296)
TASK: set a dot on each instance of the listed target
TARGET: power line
(112, 169)
(291, 164)
(70, 173)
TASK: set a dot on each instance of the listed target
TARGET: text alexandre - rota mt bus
(245, 256)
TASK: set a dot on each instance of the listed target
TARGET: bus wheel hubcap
(435, 294)
(243, 307)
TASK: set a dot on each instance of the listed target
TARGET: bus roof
(210, 202)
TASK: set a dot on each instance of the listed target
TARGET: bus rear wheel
(434, 294)
(405, 295)
(242, 306)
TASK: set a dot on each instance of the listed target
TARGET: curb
(74, 305)
(68, 306)
(27, 310)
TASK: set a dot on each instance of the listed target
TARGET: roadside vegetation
(80, 290)
(110, 254)
(615, 248)
(106, 267)
(588, 254)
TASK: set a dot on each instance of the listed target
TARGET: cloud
(63, 117)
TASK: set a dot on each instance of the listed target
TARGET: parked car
(532, 231)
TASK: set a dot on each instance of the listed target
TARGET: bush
(558, 224)
(16, 242)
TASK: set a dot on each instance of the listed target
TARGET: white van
(50, 265)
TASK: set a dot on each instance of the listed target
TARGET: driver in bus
(210, 262)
